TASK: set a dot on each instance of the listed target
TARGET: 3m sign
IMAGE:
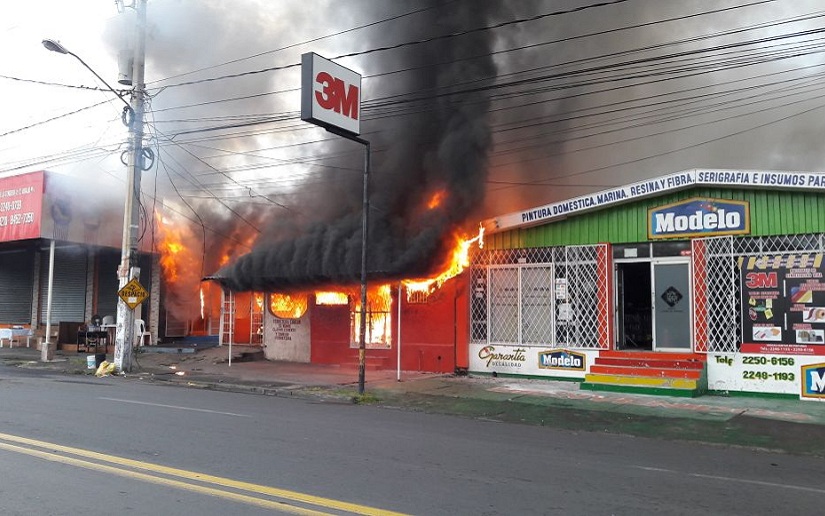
(330, 94)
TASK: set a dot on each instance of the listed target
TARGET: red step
(653, 355)
(649, 372)
(660, 363)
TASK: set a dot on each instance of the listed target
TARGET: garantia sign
(330, 94)
(699, 217)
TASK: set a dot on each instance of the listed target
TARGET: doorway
(653, 305)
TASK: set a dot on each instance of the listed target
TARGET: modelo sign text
(699, 217)
(562, 359)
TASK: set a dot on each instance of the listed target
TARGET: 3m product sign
(783, 304)
(133, 293)
(699, 217)
(330, 94)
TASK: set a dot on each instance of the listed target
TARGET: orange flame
(379, 317)
(331, 298)
(459, 260)
(288, 306)
(171, 249)
(436, 200)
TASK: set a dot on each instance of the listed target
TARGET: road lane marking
(176, 407)
(51, 449)
(734, 479)
(211, 491)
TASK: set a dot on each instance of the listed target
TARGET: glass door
(671, 302)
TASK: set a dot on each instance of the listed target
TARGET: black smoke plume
(443, 146)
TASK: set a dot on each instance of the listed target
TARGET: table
(88, 340)
(14, 335)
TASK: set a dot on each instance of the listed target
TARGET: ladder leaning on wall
(227, 317)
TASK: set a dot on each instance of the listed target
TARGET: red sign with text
(21, 202)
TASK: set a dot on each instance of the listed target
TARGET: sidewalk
(785, 425)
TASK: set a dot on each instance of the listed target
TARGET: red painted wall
(430, 333)
(427, 332)
(329, 334)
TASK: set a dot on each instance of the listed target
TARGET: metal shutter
(69, 290)
(16, 284)
(108, 261)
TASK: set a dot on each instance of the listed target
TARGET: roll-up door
(108, 260)
(16, 284)
(69, 289)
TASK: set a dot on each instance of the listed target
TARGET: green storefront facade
(723, 268)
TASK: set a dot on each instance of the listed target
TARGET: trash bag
(105, 369)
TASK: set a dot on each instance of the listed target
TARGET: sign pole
(331, 98)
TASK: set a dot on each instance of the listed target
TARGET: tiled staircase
(667, 374)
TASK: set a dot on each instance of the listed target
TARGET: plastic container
(90, 362)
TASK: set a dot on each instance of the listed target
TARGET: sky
(505, 105)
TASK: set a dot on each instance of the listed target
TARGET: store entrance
(653, 305)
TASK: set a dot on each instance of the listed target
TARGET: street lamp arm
(54, 46)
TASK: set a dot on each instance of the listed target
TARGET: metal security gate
(717, 282)
(69, 288)
(108, 261)
(551, 296)
(16, 283)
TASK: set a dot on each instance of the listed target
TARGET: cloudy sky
(504, 105)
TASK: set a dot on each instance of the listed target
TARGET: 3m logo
(330, 95)
(813, 381)
(336, 95)
(761, 280)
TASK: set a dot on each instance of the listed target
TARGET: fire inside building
(693, 282)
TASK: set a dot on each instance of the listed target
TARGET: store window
(287, 306)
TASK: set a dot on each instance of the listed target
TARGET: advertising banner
(21, 200)
(783, 300)
(763, 373)
(530, 360)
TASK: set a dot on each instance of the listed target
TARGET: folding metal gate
(549, 296)
(717, 283)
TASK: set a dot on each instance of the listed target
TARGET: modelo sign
(699, 217)
(813, 382)
(330, 94)
(562, 359)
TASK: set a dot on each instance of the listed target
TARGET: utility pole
(129, 269)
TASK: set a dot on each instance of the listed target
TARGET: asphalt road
(82, 445)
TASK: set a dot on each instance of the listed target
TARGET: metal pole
(46, 353)
(398, 340)
(362, 347)
(125, 334)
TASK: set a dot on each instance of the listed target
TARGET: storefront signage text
(21, 199)
(562, 359)
(511, 358)
(656, 186)
(699, 217)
